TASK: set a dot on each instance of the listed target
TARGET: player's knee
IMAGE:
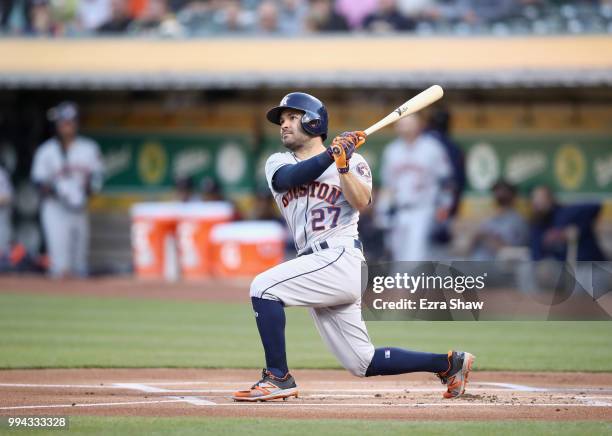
(258, 285)
(359, 366)
(255, 286)
(356, 370)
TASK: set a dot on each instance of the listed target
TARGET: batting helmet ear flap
(314, 124)
(311, 123)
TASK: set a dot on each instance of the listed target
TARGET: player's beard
(294, 141)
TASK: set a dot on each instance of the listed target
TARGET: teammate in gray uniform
(415, 169)
(320, 202)
(6, 200)
(67, 169)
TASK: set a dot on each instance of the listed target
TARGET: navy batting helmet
(314, 120)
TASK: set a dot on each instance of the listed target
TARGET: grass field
(198, 426)
(53, 331)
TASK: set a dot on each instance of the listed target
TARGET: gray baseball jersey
(317, 211)
(328, 281)
(69, 172)
(64, 214)
(412, 173)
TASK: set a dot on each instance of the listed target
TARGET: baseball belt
(324, 246)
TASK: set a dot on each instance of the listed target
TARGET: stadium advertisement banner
(571, 163)
(567, 163)
(487, 291)
(149, 162)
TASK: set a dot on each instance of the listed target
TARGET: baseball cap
(64, 111)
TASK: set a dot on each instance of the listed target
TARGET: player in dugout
(67, 170)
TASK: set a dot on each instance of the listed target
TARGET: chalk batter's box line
(311, 405)
(203, 402)
(198, 401)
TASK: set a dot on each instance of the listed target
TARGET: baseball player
(319, 192)
(6, 200)
(415, 170)
(67, 169)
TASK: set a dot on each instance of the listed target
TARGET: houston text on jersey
(322, 191)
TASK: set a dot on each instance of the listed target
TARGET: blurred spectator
(267, 18)
(67, 169)
(198, 17)
(211, 190)
(119, 19)
(414, 173)
(417, 8)
(6, 200)
(387, 18)
(41, 19)
(185, 190)
(93, 13)
(438, 125)
(205, 18)
(136, 7)
(506, 228)
(13, 16)
(355, 12)
(64, 16)
(156, 20)
(292, 16)
(476, 11)
(552, 224)
(233, 18)
(323, 18)
(487, 11)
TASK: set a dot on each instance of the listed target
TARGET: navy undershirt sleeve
(293, 175)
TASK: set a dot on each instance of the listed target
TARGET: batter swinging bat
(415, 104)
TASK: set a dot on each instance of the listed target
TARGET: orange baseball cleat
(456, 377)
(269, 388)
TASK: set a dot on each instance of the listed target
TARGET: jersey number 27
(319, 215)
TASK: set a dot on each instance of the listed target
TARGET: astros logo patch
(363, 170)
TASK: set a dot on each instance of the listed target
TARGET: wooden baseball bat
(415, 104)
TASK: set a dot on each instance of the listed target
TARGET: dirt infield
(323, 394)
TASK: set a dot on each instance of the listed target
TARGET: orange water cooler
(246, 248)
(196, 221)
(153, 240)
